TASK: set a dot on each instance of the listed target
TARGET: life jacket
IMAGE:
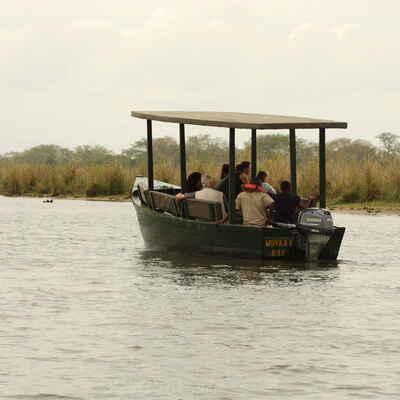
(252, 187)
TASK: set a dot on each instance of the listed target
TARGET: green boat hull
(162, 231)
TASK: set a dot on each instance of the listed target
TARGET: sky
(71, 71)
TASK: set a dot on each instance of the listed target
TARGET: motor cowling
(316, 227)
(315, 220)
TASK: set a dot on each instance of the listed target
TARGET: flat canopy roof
(237, 120)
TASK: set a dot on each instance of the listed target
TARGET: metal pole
(232, 173)
(322, 169)
(182, 144)
(293, 169)
(253, 153)
(150, 173)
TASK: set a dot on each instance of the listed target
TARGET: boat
(189, 225)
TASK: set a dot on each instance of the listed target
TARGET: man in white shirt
(253, 204)
(208, 193)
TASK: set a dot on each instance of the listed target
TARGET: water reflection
(198, 270)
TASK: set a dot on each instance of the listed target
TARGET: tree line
(357, 170)
(207, 149)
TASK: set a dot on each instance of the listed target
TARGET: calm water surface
(87, 313)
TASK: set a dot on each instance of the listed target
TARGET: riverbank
(371, 208)
(117, 198)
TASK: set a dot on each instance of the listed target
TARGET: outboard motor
(316, 227)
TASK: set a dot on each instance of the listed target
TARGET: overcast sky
(71, 71)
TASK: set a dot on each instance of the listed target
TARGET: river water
(87, 313)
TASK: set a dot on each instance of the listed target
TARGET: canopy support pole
(150, 171)
(232, 183)
(253, 153)
(322, 169)
(182, 145)
(293, 160)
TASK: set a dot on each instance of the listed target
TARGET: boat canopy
(233, 121)
(237, 120)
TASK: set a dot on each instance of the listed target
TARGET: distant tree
(390, 143)
(351, 150)
(164, 148)
(93, 155)
(201, 148)
(207, 149)
(49, 154)
(271, 145)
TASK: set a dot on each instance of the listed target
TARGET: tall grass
(347, 181)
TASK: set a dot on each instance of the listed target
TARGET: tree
(49, 154)
(390, 143)
(93, 155)
(347, 149)
(164, 148)
(206, 149)
(271, 145)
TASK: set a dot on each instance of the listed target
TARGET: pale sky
(71, 71)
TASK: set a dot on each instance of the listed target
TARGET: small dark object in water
(48, 201)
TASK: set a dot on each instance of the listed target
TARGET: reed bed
(346, 181)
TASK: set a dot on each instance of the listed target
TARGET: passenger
(262, 176)
(193, 183)
(223, 185)
(224, 171)
(253, 203)
(243, 169)
(287, 204)
(208, 193)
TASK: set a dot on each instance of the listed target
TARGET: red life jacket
(252, 187)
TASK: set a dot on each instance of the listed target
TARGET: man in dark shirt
(223, 186)
(287, 204)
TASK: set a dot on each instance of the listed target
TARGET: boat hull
(162, 231)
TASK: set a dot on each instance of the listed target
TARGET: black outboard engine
(316, 227)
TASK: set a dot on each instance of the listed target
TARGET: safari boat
(192, 225)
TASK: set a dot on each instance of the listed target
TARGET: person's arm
(268, 201)
(270, 189)
(300, 204)
(226, 204)
(190, 195)
(238, 203)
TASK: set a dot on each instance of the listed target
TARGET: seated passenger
(208, 193)
(224, 171)
(223, 185)
(262, 176)
(287, 204)
(193, 183)
(243, 170)
(253, 203)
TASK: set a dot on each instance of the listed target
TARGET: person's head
(208, 181)
(262, 176)
(245, 167)
(255, 185)
(193, 183)
(256, 181)
(285, 186)
(224, 170)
